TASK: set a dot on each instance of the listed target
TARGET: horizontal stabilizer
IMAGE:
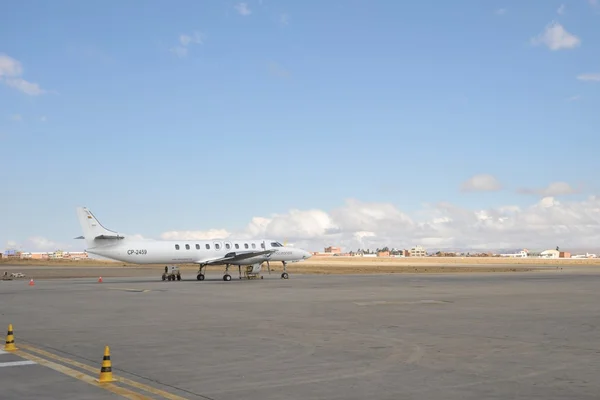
(79, 237)
(109, 237)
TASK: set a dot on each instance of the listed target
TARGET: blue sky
(199, 115)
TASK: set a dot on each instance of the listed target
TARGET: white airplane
(106, 243)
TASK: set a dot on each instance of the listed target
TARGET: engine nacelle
(254, 268)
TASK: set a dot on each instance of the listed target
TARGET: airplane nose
(306, 255)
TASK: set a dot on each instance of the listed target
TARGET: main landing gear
(226, 277)
(200, 275)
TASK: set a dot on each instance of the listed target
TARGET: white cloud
(481, 183)
(30, 88)
(185, 40)
(10, 75)
(43, 118)
(16, 117)
(36, 243)
(574, 98)
(179, 51)
(357, 224)
(547, 223)
(284, 19)
(12, 245)
(555, 37)
(196, 37)
(242, 9)
(595, 77)
(553, 189)
(561, 9)
(593, 3)
(500, 11)
(9, 66)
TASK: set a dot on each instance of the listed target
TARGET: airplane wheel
(164, 277)
(284, 275)
(178, 277)
(200, 277)
(226, 277)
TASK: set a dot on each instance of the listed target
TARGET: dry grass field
(315, 265)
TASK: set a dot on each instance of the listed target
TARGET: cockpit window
(276, 244)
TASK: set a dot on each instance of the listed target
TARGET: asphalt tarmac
(399, 336)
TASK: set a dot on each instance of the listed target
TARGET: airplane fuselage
(195, 251)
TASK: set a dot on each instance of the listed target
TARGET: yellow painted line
(129, 394)
(86, 367)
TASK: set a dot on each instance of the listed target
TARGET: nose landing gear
(284, 275)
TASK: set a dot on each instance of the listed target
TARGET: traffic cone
(100, 280)
(10, 340)
(106, 370)
(31, 282)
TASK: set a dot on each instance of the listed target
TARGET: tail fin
(93, 232)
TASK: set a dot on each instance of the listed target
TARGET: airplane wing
(235, 256)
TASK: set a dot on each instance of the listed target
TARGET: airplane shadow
(127, 281)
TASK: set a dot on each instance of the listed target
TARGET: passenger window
(187, 246)
(227, 245)
(275, 244)
(176, 247)
(253, 246)
(217, 246)
(197, 247)
(207, 246)
(237, 246)
(246, 245)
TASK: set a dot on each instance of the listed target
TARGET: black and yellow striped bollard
(10, 340)
(106, 370)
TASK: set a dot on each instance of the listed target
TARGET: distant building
(334, 250)
(549, 254)
(383, 254)
(555, 254)
(418, 251)
(75, 255)
(521, 254)
(586, 255)
(39, 256)
(12, 254)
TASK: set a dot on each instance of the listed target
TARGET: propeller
(268, 265)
